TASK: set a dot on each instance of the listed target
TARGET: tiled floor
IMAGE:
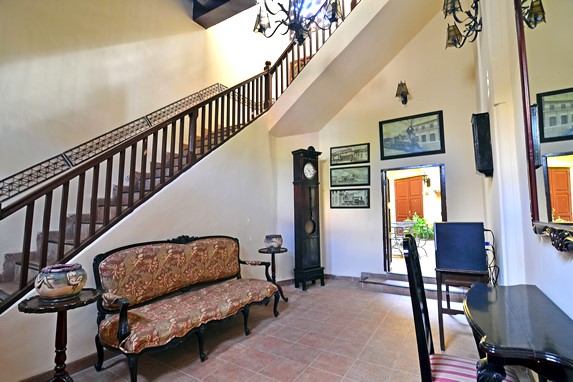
(333, 333)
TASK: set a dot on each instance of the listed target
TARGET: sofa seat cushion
(156, 324)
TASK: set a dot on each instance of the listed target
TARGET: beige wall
(249, 180)
(438, 79)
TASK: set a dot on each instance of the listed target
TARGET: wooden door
(408, 198)
(560, 193)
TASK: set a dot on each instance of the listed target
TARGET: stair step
(401, 287)
(7, 288)
(33, 270)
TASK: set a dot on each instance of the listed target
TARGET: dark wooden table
(37, 305)
(519, 325)
(272, 252)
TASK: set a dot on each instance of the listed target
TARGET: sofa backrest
(141, 272)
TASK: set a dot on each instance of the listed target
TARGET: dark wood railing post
(268, 87)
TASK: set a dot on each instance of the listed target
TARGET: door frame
(386, 215)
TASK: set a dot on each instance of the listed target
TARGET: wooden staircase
(51, 212)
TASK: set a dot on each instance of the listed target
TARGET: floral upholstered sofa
(155, 294)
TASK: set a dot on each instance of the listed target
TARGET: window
(424, 139)
(564, 120)
(432, 137)
(552, 121)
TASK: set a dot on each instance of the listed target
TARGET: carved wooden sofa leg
(276, 305)
(201, 338)
(99, 363)
(245, 312)
(132, 362)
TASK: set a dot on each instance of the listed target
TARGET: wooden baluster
(93, 204)
(46, 229)
(79, 209)
(107, 191)
(63, 220)
(26, 245)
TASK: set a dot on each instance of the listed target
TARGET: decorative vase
(273, 241)
(60, 281)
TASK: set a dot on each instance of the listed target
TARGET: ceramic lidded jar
(273, 241)
(60, 281)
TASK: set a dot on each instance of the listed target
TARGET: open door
(408, 197)
(407, 191)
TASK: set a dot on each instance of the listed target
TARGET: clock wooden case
(307, 265)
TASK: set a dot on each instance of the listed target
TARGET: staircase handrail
(88, 163)
(24, 180)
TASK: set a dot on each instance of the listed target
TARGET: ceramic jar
(273, 241)
(60, 281)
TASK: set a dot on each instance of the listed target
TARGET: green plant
(421, 227)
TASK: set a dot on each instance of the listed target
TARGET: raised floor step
(398, 284)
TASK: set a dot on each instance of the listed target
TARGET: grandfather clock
(306, 218)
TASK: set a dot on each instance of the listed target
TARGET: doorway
(414, 199)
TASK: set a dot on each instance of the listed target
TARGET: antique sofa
(156, 294)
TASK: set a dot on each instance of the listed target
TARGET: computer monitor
(460, 246)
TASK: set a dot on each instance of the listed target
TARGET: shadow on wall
(33, 28)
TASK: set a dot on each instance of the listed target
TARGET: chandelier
(471, 23)
(532, 14)
(301, 17)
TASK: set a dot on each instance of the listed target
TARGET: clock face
(309, 170)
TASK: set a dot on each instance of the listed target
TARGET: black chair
(434, 367)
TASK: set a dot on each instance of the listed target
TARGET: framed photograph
(421, 134)
(350, 198)
(555, 115)
(350, 176)
(350, 154)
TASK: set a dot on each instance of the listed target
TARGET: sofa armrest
(267, 264)
(123, 326)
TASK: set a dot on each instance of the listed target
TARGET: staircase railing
(109, 177)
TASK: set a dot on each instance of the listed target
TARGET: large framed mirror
(546, 63)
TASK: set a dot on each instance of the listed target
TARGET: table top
(273, 250)
(38, 305)
(520, 325)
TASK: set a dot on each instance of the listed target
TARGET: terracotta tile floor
(333, 333)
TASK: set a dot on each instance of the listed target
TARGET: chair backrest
(419, 307)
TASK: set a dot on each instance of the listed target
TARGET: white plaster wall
(224, 194)
(235, 53)
(437, 80)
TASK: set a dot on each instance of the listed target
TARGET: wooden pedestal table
(37, 305)
(272, 252)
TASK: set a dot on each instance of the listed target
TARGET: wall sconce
(472, 23)
(402, 92)
(534, 14)
(426, 180)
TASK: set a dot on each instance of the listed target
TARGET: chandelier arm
(282, 9)
(279, 23)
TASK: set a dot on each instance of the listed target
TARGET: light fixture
(301, 17)
(402, 92)
(533, 14)
(472, 23)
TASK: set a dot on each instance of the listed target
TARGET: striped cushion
(448, 368)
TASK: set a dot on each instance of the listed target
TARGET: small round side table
(37, 305)
(272, 252)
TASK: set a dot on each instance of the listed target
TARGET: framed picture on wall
(351, 154)
(421, 134)
(555, 115)
(350, 176)
(350, 198)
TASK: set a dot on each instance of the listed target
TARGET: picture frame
(421, 134)
(350, 154)
(555, 115)
(350, 198)
(350, 176)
